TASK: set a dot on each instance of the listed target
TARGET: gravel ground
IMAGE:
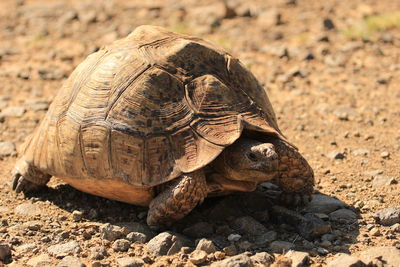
(331, 69)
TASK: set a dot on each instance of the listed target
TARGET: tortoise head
(248, 160)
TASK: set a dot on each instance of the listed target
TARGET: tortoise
(163, 120)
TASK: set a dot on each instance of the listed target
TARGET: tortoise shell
(148, 108)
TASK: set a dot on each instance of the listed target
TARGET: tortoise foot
(26, 178)
(20, 184)
(177, 200)
(295, 199)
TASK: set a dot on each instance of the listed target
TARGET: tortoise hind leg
(177, 200)
(27, 178)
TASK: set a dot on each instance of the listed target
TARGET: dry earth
(336, 95)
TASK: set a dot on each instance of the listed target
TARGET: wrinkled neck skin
(247, 160)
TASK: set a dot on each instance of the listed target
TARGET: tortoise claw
(14, 180)
(20, 184)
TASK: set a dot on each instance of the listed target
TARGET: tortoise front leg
(177, 199)
(296, 177)
(27, 178)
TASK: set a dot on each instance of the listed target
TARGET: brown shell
(148, 108)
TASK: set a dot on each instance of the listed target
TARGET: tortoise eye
(252, 156)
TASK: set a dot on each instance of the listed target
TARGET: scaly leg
(177, 199)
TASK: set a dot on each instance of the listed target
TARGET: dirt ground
(334, 85)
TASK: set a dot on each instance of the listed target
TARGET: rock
(130, 262)
(7, 149)
(343, 215)
(328, 24)
(198, 257)
(269, 18)
(230, 250)
(382, 80)
(277, 51)
(309, 226)
(25, 248)
(299, 259)
(62, 250)
(266, 238)
(43, 260)
(52, 73)
(388, 216)
(336, 155)
(219, 255)
(381, 256)
(166, 244)
(328, 237)
(385, 154)
(282, 261)
(32, 225)
(375, 232)
(262, 259)
(98, 253)
(111, 232)
(137, 237)
(77, 215)
(206, 245)
(345, 260)
(245, 245)
(5, 252)
(240, 260)
(249, 225)
(338, 60)
(28, 209)
(281, 246)
(386, 37)
(395, 228)
(360, 152)
(209, 15)
(324, 204)
(70, 261)
(37, 104)
(200, 229)
(15, 111)
(121, 245)
(322, 251)
(313, 226)
(234, 237)
(381, 180)
(128, 227)
(373, 173)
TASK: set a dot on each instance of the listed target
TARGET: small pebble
(77, 215)
(375, 232)
(385, 154)
(219, 255)
(121, 245)
(234, 237)
(322, 251)
(198, 257)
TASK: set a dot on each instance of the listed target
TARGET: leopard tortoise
(162, 120)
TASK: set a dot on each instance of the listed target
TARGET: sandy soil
(336, 97)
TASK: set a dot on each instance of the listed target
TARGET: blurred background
(331, 69)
